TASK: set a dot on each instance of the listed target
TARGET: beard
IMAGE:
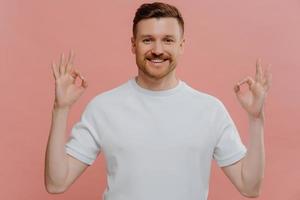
(156, 72)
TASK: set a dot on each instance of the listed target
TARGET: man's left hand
(253, 99)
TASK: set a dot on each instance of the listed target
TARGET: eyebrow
(168, 36)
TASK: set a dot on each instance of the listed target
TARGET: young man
(158, 134)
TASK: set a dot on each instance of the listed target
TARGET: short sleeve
(229, 147)
(83, 143)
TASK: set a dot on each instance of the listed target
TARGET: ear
(181, 46)
(133, 46)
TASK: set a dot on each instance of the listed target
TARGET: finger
(55, 70)
(62, 64)
(84, 83)
(259, 73)
(268, 84)
(236, 88)
(70, 61)
(248, 80)
(265, 74)
(75, 74)
(268, 77)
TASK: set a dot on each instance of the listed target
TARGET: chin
(158, 74)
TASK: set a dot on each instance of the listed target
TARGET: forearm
(56, 165)
(254, 162)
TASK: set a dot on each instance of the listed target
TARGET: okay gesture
(253, 99)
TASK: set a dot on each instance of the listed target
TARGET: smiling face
(157, 45)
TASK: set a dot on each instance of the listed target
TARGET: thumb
(84, 83)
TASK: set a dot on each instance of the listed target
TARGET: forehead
(158, 27)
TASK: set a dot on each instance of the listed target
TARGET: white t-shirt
(158, 145)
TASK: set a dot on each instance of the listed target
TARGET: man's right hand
(66, 92)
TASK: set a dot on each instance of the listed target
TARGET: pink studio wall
(223, 40)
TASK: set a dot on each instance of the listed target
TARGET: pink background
(223, 40)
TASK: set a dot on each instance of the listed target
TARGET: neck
(165, 83)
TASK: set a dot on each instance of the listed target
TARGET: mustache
(160, 57)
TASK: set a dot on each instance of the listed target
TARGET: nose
(157, 48)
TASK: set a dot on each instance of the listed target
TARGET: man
(157, 133)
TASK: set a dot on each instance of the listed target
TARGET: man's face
(157, 46)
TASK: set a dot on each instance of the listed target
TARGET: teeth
(157, 61)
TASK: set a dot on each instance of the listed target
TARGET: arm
(61, 170)
(247, 174)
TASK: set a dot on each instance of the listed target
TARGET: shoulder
(109, 96)
(204, 98)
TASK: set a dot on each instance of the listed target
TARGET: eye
(146, 41)
(169, 41)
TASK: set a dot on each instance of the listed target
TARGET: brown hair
(156, 10)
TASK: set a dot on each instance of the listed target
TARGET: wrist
(257, 118)
(61, 108)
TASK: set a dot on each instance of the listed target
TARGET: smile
(157, 60)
